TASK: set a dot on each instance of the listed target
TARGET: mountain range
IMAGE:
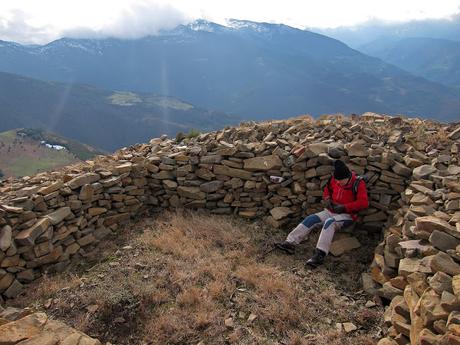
(432, 58)
(253, 70)
(367, 32)
(104, 119)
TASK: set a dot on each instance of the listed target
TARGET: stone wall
(417, 266)
(52, 219)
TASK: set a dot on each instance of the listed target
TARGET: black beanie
(341, 171)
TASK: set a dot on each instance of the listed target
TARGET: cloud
(139, 20)
(32, 21)
(16, 28)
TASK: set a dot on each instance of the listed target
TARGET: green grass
(22, 155)
(24, 166)
(81, 151)
(8, 136)
(169, 102)
(124, 98)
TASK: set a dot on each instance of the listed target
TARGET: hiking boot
(317, 259)
(287, 247)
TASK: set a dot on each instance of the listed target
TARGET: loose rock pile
(417, 266)
(53, 219)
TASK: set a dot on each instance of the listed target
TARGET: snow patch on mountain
(202, 25)
(87, 45)
(246, 24)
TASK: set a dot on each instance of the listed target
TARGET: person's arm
(361, 201)
(326, 192)
(327, 197)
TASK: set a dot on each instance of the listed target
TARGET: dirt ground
(192, 278)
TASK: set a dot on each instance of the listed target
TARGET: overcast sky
(40, 21)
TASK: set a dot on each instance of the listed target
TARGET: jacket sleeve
(361, 201)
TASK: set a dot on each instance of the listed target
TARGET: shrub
(193, 133)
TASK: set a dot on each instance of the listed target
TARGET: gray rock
(191, 192)
(357, 150)
(28, 236)
(226, 171)
(388, 291)
(212, 159)
(346, 244)
(14, 290)
(83, 179)
(401, 169)
(454, 135)
(280, 212)
(58, 216)
(264, 163)
(5, 237)
(443, 241)
(210, 187)
(441, 282)
(423, 171)
(313, 150)
(443, 262)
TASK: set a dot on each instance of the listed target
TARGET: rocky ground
(188, 278)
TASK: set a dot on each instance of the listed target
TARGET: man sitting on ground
(344, 195)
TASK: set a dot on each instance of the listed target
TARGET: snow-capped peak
(246, 24)
(203, 25)
(92, 46)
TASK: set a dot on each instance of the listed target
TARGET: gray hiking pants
(330, 221)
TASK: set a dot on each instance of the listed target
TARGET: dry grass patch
(189, 277)
(47, 287)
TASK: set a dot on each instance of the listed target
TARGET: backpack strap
(328, 184)
(356, 184)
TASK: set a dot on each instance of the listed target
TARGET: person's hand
(338, 208)
(328, 203)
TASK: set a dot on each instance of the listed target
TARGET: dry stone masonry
(417, 266)
(275, 170)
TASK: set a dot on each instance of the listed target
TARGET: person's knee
(329, 222)
(311, 220)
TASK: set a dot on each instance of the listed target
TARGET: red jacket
(344, 195)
